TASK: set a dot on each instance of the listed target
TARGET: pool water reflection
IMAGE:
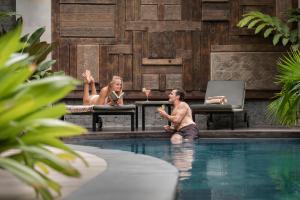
(224, 169)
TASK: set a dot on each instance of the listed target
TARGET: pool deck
(129, 176)
(13, 189)
(120, 133)
(111, 175)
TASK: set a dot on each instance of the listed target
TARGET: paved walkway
(12, 188)
(129, 176)
(111, 175)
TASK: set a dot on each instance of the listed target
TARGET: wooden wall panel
(149, 12)
(161, 44)
(215, 11)
(64, 55)
(173, 81)
(89, 1)
(137, 60)
(151, 81)
(172, 12)
(88, 58)
(87, 20)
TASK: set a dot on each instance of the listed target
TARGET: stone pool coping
(13, 188)
(129, 176)
(111, 175)
(221, 133)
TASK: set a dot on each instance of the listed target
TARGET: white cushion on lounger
(79, 108)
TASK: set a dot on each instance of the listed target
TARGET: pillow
(216, 100)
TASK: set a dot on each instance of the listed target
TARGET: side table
(145, 104)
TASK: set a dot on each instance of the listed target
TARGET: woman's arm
(120, 101)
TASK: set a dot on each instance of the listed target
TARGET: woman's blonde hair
(112, 82)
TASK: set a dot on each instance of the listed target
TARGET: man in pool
(183, 128)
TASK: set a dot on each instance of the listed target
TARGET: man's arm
(177, 117)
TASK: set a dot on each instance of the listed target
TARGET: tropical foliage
(287, 104)
(29, 126)
(34, 47)
(273, 26)
(285, 108)
(40, 50)
(4, 16)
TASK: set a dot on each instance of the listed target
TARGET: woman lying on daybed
(107, 94)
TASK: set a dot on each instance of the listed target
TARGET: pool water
(228, 169)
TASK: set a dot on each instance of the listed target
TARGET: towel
(79, 108)
(216, 100)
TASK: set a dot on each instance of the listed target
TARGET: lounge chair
(97, 110)
(234, 91)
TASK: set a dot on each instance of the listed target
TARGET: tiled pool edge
(129, 176)
(221, 133)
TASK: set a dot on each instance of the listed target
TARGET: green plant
(3, 16)
(287, 104)
(35, 47)
(285, 108)
(273, 26)
(40, 50)
(28, 124)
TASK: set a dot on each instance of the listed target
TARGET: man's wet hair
(180, 93)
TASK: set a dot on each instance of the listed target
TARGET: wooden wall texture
(164, 44)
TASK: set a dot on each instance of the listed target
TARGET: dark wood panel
(129, 10)
(78, 40)
(167, 43)
(162, 45)
(137, 9)
(87, 32)
(114, 64)
(168, 2)
(73, 61)
(196, 59)
(160, 26)
(87, 20)
(89, 1)
(205, 56)
(126, 73)
(120, 49)
(257, 2)
(191, 10)
(210, 1)
(64, 56)
(162, 69)
(175, 61)
(137, 60)
(173, 81)
(215, 11)
(188, 83)
(105, 73)
(150, 81)
(162, 82)
(246, 48)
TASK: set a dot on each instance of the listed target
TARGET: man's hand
(169, 129)
(162, 113)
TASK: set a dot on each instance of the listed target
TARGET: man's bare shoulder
(183, 105)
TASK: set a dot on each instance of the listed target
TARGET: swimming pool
(224, 169)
